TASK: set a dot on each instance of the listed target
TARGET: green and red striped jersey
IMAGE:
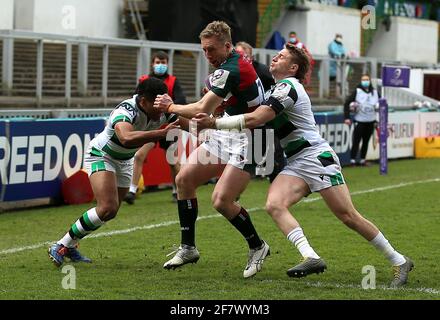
(238, 84)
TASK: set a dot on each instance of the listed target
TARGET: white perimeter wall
(317, 27)
(6, 14)
(417, 79)
(93, 18)
(409, 39)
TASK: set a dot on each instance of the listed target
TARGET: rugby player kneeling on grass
(312, 165)
(109, 162)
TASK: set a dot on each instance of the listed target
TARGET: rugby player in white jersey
(109, 162)
(312, 166)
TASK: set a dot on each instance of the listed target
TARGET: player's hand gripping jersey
(127, 111)
(106, 152)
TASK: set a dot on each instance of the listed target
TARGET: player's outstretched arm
(207, 104)
(259, 117)
(132, 139)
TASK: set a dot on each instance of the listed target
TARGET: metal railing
(144, 48)
(321, 78)
(403, 98)
(54, 113)
(368, 65)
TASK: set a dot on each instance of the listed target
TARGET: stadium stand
(104, 71)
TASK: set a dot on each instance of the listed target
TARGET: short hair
(300, 58)
(245, 45)
(292, 32)
(150, 88)
(218, 29)
(161, 55)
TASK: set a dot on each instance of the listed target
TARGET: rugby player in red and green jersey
(224, 153)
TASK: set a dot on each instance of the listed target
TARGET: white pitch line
(31, 247)
(106, 234)
(169, 223)
(381, 287)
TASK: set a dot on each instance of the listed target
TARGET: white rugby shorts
(96, 160)
(318, 167)
(229, 146)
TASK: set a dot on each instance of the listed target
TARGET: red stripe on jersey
(247, 73)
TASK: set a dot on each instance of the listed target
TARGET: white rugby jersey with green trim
(127, 111)
(294, 123)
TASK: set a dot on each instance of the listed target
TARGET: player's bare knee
(182, 180)
(349, 218)
(274, 207)
(107, 211)
(139, 159)
(220, 202)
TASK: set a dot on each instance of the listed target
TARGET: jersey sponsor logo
(281, 86)
(280, 92)
(129, 108)
(219, 78)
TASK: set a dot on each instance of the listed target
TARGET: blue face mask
(160, 69)
(365, 83)
(292, 40)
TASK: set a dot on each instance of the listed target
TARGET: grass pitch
(128, 252)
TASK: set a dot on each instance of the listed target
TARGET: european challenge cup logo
(396, 79)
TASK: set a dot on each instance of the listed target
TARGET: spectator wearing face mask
(294, 39)
(362, 104)
(336, 50)
(159, 70)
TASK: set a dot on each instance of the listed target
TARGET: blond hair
(218, 29)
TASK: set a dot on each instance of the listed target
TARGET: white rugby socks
(382, 244)
(86, 224)
(133, 188)
(297, 237)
